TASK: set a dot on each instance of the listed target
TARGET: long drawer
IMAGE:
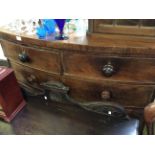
(110, 68)
(124, 94)
(48, 61)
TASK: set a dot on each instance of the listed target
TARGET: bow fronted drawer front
(44, 60)
(125, 69)
(32, 78)
(125, 94)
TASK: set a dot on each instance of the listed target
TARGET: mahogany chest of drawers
(91, 66)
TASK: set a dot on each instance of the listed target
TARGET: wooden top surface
(101, 43)
(4, 72)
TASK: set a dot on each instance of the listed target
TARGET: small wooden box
(11, 99)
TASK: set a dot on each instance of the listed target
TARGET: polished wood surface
(125, 94)
(26, 74)
(36, 58)
(134, 70)
(113, 45)
(31, 79)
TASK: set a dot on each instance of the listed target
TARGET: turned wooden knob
(105, 95)
(108, 69)
(31, 78)
(23, 57)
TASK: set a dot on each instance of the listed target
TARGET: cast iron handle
(108, 69)
(58, 92)
(23, 57)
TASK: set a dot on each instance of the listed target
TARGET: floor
(38, 118)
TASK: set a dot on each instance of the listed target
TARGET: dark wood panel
(44, 60)
(125, 69)
(124, 94)
(31, 76)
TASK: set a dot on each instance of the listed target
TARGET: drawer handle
(105, 95)
(31, 79)
(108, 69)
(23, 57)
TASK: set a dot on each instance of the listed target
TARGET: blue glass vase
(41, 32)
(49, 25)
(60, 23)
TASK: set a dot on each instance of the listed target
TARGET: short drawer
(124, 94)
(110, 68)
(32, 77)
(40, 59)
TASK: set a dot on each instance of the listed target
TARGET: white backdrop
(3, 22)
(1, 53)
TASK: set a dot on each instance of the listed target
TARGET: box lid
(4, 71)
